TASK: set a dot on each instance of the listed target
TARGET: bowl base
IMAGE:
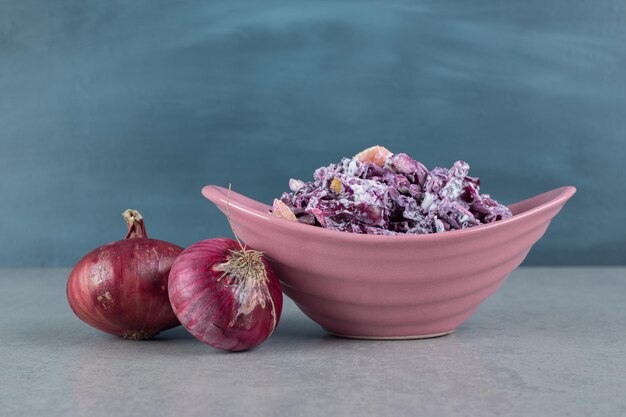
(419, 336)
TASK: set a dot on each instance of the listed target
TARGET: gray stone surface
(111, 104)
(550, 342)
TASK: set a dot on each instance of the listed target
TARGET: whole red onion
(121, 288)
(225, 295)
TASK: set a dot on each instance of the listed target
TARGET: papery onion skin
(219, 308)
(121, 288)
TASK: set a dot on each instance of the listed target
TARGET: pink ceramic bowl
(390, 287)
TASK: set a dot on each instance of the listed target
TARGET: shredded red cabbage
(400, 197)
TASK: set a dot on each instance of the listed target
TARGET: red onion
(225, 295)
(121, 288)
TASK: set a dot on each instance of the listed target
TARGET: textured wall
(106, 105)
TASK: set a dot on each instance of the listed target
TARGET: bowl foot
(419, 336)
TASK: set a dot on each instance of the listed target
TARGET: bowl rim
(223, 197)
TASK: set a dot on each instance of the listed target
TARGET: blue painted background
(106, 105)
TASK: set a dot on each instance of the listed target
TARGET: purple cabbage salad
(381, 193)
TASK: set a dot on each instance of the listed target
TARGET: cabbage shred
(401, 197)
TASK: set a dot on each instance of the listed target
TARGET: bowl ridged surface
(390, 286)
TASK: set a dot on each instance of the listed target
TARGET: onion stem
(134, 221)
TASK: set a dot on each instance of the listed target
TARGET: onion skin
(121, 288)
(224, 310)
